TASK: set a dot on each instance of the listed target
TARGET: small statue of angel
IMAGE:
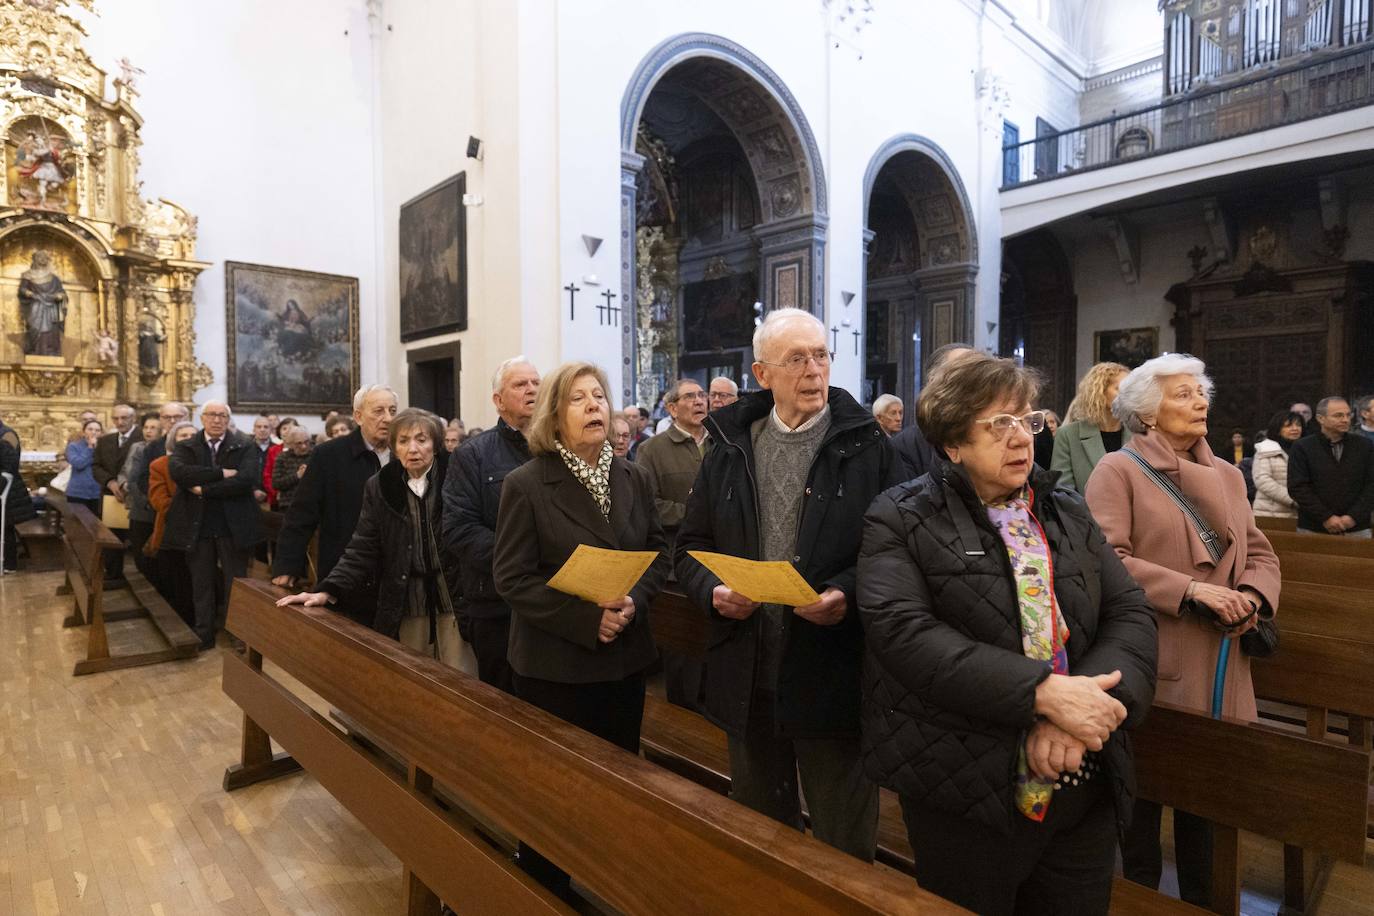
(106, 347)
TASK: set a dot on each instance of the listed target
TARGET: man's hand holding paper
(759, 581)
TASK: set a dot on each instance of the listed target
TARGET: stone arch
(782, 155)
(933, 296)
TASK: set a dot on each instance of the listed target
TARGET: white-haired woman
(888, 410)
(1205, 597)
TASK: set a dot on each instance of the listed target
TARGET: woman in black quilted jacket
(1009, 652)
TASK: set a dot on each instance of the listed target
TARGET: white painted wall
(257, 121)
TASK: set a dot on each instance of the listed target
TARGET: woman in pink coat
(1164, 402)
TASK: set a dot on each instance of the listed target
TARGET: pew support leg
(1317, 724)
(420, 900)
(1225, 870)
(257, 762)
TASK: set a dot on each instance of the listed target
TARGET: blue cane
(1219, 683)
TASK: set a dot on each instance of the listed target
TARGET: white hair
(775, 322)
(360, 397)
(1140, 392)
(498, 378)
(733, 385)
(883, 402)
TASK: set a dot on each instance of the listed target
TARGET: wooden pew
(689, 745)
(1286, 542)
(42, 539)
(85, 542)
(1267, 523)
(637, 837)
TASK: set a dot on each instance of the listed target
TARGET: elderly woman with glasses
(1008, 649)
(1179, 518)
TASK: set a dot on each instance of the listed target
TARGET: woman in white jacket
(1270, 467)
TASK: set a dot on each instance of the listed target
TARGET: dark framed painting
(433, 261)
(292, 338)
(1129, 346)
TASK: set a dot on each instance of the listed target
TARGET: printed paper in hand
(597, 574)
(764, 581)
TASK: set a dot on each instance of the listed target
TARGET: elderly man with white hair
(888, 411)
(1179, 518)
(214, 517)
(722, 393)
(330, 498)
(790, 472)
(472, 499)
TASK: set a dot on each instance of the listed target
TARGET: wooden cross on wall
(608, 313)
(834, 341)
(856, 334)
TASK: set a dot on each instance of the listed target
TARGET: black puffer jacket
(19, 506)
(818, 681)
(948, 693)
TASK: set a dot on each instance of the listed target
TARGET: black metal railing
(1335, 82)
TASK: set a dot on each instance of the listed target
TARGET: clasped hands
(1076, 715)
(1338, 524)
(616, 615)
(826, 612)
(1235, 610)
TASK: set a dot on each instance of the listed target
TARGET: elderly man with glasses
(723, 392)
(790, 472)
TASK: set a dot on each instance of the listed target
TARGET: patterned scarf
(1044, 634)
(597, 479)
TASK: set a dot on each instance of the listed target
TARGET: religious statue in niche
(106, 348)
(151, 337)
(43, 303)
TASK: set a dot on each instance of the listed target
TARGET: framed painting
(1129, 346)
(433, 261)
(292, 338)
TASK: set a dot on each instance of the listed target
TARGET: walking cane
(1219, 682)
(4, 507)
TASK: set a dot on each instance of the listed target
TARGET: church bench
(634, 835)
(42, 539)
(1268, 523)
(85, 545)
(1286, 542)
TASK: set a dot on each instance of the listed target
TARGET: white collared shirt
(418, 485)
(383, 454)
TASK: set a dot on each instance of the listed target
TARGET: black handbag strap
(1210, 539)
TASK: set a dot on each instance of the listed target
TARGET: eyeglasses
(214, 413)
(796, 364)
(693, 396)
(1000, 424)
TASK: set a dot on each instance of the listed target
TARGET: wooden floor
(110, 798)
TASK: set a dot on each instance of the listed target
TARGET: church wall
(257, 121)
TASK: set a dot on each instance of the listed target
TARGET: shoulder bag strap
(1210, 539)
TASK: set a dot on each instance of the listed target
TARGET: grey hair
(674, 392)
(1324, 403)
(498, 378)
(734, 386)
(883, 402)
(774, 322)
(1140, 393)
(171, 440)
(360, 396)
(295, 432)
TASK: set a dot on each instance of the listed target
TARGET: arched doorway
(723, 206)
(1039, 313)
(920, 264)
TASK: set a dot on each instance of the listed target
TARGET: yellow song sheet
(765, 581)
(597, 574)
(113, 513)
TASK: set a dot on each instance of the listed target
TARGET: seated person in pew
(396, 544)
(1207, 569)
(1007, 647)
(790, 471)
(581, 662)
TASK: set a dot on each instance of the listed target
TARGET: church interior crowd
(1001, 597)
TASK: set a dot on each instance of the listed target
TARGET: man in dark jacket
(1331, 475)
(112, 448)
(790, 472)
(914, 454)
(330, 497)
(18, 503)
(472, 499)
(214, 517)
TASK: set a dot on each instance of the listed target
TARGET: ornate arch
(945, 280)
(782, 152)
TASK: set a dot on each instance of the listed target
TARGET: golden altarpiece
(95, 282)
